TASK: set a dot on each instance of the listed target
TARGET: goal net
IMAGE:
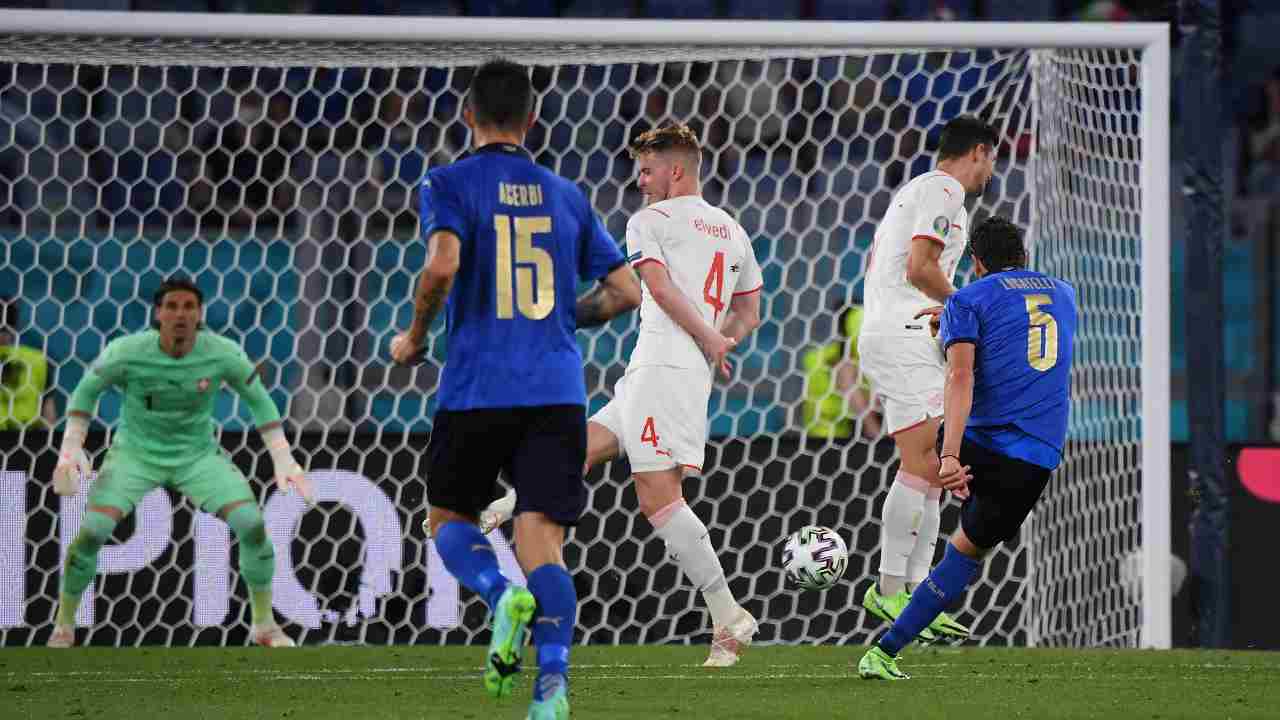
(281, 175)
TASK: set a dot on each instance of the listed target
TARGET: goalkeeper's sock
(469, 557)
(257, 559)
(689, 544)
(921, 560)
(82, 563)
(944, 586)
(553, 624)
(900, 520)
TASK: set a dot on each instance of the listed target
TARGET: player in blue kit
(509, 241)
(1008, 339)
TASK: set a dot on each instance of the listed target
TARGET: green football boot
(888, 608)
(945, 626)
(554, 704)
(506, 647)
(878, 665)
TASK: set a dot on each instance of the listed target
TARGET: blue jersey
(1022, 325)
(527, 237)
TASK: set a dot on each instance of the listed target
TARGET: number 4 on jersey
(648, 434)
(715, 276)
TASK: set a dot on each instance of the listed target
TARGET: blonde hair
(668, 138)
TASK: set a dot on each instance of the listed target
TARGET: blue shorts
(541, 450)
(1001, 495)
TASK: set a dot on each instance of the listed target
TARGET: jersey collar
(503, 148)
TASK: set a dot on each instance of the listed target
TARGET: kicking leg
(946, 584)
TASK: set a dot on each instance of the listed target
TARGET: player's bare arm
(957, 403)
(433, 288)
(924, 271)
(677, 307)
(744, 316)
(617, 293)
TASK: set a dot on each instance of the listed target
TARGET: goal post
(103, 159)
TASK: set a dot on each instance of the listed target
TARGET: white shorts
(659, 415)
(908, 374)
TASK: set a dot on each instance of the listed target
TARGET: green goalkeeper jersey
(167, 417)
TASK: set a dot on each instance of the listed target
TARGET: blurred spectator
(1104, 11)
(23, 375)
(1261, 167)
(838, 397)
(247, 184)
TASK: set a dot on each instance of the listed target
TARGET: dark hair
(176, 282)
(501, 95)
(998, 244)
(964, 133)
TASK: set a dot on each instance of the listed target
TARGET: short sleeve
(440, 207)
(938, 205)
(959, 322)
(601, 255)
(751, 279)
(643, 231)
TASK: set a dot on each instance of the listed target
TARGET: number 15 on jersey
(530, 265)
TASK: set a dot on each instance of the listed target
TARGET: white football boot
(498, 512)
(271, 636)
(63, 637)
(729, 641)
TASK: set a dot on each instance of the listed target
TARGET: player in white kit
(701, 296)
(909, 276)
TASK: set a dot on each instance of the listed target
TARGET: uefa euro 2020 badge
(203, 385)
(941, 225)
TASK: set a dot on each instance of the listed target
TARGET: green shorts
(212, 481)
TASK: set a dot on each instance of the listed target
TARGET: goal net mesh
(282, 177)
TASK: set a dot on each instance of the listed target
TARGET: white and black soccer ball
(814, 558)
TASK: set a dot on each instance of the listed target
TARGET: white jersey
(710, 260)
(929, 206)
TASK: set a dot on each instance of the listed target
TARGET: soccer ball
(814, 557)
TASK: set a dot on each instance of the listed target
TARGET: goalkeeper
(170, 377)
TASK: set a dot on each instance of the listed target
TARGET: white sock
(899, 524)
(921, 560)
(689, 545)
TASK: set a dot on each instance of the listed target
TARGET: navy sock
(944, 585)
(470, 558)
(553, 625)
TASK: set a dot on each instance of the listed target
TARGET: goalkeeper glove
(289, 474)
(73, 464)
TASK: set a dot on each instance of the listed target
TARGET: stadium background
(74, 282)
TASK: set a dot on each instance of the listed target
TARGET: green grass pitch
(800, 683)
